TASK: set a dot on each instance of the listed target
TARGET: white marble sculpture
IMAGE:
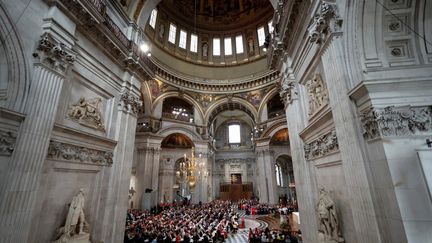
(328, 222)
(75, 227)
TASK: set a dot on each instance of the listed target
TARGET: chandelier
(191, 169)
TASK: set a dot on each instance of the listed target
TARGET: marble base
(82, 238)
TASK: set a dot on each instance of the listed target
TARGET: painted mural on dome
(254, 97)
(280, 137)
(156, 88)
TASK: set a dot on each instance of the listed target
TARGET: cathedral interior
(108, 106)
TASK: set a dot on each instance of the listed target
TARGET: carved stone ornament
(130, 103)
(329, 229)
(396, 121)
(7, 142)
(69, 152)
(322, 146)
(287, 91)
(87, 112)
(54, 54)
(318, 94)
(326, 21)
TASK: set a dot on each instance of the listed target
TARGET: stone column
(119, 179)
(261, 177)
(22, 174)
(355, 162)
(147, 171)
(296, 113)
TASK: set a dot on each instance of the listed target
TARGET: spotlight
(149, 54)
(144, 47)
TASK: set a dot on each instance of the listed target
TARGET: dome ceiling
(218, 15)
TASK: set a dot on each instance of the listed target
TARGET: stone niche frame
(64, 176)
(90, 90)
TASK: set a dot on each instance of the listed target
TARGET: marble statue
(87, 112)
(161, 31)
(204, 49)
(75, 227)
(328, 222)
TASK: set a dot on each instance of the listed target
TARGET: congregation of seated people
(253, 206)
(275, 236)
(209, 222)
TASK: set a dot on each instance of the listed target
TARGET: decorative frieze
(323, 145)
(130, 103)
(87, 112)
(73, 153)
(396, 121)
(318, 94)
(326, 21)
(53, 53)
(7, 142)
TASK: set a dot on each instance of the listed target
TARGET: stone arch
(159, 101)
(16, 84)
(273, 129)
(266, 98)
(193, 135)
(225, 103)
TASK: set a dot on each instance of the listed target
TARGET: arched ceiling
(229, 106)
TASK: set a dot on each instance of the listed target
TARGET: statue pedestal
(83, 238)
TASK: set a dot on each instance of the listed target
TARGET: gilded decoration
(156, 88)
(396, 121)
(322, 146)
(318, 95)
(254, 97)
(87, 112)
(69, 152)
(7, 142)
(205, 99)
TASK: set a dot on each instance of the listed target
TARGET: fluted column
(128, 105)
(294, 95)
(354, 160)
(147, 169)
(261, 177)
(19, 192)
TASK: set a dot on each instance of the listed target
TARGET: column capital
(54, 54)
(130, 102)
(327, 21)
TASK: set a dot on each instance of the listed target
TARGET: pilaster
(18, 194)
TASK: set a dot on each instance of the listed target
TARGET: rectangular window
(239, 44)
(182, 41)
(216, 47)
(228, 46)
(194, 43)
(270, 27)
(234, 133)
(261, 36)
(172, 33)
(152, 20)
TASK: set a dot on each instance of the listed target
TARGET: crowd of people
(252, 206)
(209, 222)
(267, 235)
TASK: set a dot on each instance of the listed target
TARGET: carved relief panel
(318, 94)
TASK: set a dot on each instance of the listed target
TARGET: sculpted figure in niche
(161, 31)
(328, 222)
(318, 95)
(251, 46)
(205, 50)
(74, 229)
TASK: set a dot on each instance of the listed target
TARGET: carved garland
(322, 146)
(396, 121)
(69, 152)
(7, 143)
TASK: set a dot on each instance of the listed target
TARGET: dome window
(194, 43)
(153, 16)
(216, 47)
(172, 33)
(261, 35)
(239, 44)
(228, 46)
(182, 40)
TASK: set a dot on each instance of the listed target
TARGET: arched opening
(275, 107)
(177, 109)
